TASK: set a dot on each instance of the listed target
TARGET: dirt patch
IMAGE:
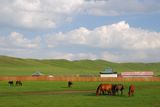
(48, 92)
(60, 92)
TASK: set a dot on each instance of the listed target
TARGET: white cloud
(39, 14)
(17, 41)
(119, 7)
(116, 42)
(118, 36)
(45, 14)
(70, 56)
(131, 56)
(124, 43)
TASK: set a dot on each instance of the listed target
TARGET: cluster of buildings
(108, 72)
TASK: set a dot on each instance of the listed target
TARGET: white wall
(108, 75)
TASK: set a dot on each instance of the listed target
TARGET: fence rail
(63, 78)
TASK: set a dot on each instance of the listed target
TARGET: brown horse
(18, 83)
(102, 88)
(11, 83)
(131, 90)
(116, 88)
(69, 83)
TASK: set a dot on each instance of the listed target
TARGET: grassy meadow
(81, 94)
(10, 66)
(41, 94)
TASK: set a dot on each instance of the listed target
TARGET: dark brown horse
(69, 83)
(116, 88)
(103, 88)
(18, 83)
(11, 83)
(131, 90)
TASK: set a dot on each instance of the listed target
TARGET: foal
(131, 90)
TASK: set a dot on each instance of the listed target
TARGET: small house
(108, 72)
(138, 74)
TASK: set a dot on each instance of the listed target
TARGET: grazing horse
(69, 83)
(116, 88)
(131, 90)
(102, 88)
(10, 83)
(18, 83)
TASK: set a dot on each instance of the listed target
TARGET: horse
(116, 88)
(69, 83)
(131, 90)
(18, 83)
(102, 88)
(11, 83)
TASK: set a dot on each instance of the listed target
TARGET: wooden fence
(63, 78)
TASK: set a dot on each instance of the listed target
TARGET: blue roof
(108, 70)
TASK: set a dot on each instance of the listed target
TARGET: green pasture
(43, 94)
(10, 66)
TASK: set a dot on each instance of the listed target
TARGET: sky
(112, 30)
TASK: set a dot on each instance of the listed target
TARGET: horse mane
(98, 89)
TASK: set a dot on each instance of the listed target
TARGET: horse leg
(12, 84)
(113, 92)
(129, 94)
(103, 92)
(109, 92)
(121, 92)
(117, 91)
(132, 93)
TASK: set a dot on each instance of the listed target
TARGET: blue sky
(112, 30)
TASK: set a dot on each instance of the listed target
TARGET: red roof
(137, 73)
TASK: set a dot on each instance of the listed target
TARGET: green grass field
(52, 94)
(81, 94)
(10, 66)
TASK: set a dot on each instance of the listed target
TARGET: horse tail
(98, 89)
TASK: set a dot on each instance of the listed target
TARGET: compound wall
(63, 78)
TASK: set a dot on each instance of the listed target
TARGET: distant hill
(19, 66)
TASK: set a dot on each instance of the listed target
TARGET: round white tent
(37, 73)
